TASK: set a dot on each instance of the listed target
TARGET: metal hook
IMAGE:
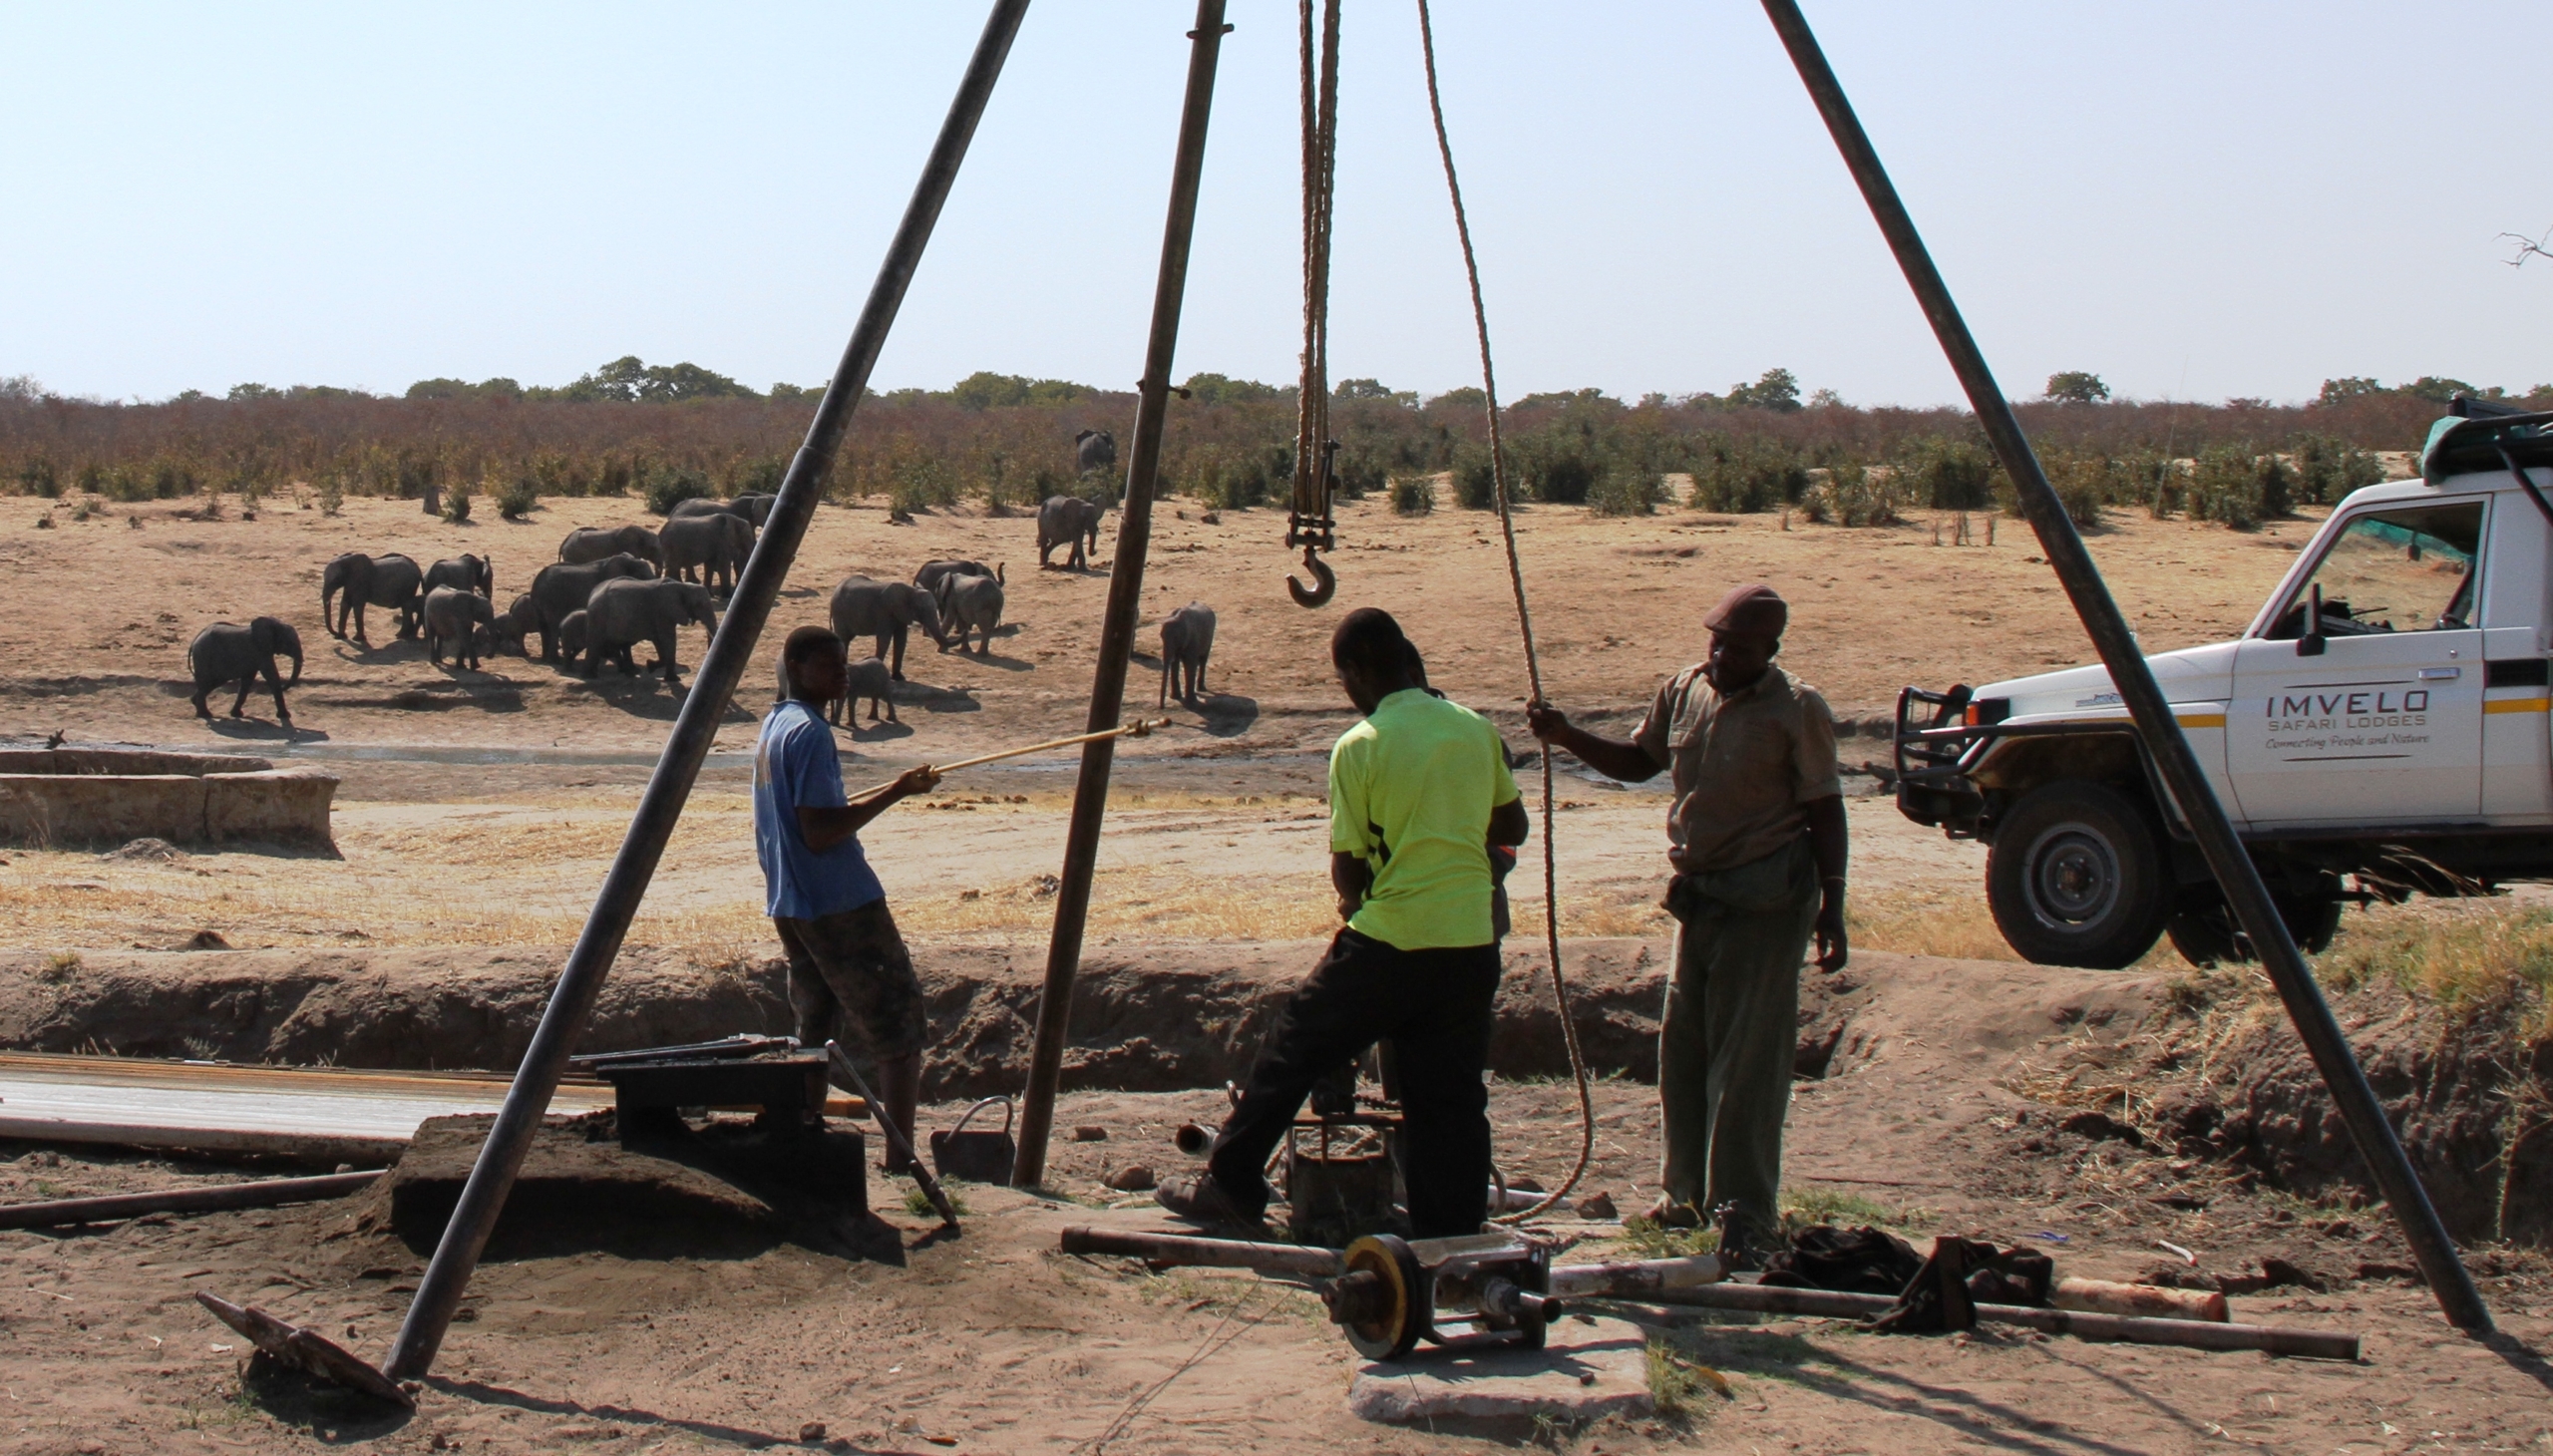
(1318, 595)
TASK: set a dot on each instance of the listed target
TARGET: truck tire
(2206, 935)
(2076, 876)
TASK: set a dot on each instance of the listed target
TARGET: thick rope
(1525, 625)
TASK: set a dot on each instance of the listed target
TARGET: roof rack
(2484, 435)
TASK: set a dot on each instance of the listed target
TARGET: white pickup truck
(2380, 729)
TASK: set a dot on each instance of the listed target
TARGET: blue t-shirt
(796, 764)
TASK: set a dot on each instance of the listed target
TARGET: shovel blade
(311, 1354)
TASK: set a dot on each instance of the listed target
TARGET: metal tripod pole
(482, 1197)
(1125, 600)
(2226, 858)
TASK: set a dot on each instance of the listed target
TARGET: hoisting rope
(1524, 624)
(1310, 524)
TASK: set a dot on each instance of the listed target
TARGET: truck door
(2374, 713)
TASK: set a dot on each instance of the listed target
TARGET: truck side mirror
(2310, 643)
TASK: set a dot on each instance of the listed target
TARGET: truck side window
(2407, 569)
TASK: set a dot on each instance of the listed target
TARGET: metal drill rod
(482, 1197)
(840, 1062)
(2226, 858)
(1124, 593)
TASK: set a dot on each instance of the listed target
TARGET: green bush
(1563, 477)
(1746, 476)
(1246, 478)
(615, 476)
(920, 481)
(2328, 469)
(666, 486)
(456, 503)
(1358, 475)
(520, 496)
(2241, 488)
(1626, 490)
(1413, 496)
(38, 477)
(1854, 495)
(331, 494)
(1475, 481)
(759, 475)
(1948, 475)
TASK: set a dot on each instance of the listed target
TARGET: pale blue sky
(2195, 200)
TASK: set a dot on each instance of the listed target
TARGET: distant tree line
(658, 433)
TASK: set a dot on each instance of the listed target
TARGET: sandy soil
(996, 1344)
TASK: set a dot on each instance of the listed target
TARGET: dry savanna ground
(1216, 821)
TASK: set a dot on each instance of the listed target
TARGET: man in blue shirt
(847, 963)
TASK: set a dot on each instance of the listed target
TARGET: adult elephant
(1068, 521)
(711, 542)
(622, 613)
(754, 510)
(461, 619)
(559, 590)
(884, 610)
(1094, 450)
(466, 572)
(354, 581)
(1187, 640)
(593, 543)
(227, 652)
(932, 573)
(969, 604)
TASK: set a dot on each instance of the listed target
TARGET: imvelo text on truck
(2380, 729)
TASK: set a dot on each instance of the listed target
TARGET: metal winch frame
(1393, 1291)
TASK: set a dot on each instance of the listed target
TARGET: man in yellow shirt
(1418, 792)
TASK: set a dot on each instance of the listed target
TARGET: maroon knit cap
(1750, 612)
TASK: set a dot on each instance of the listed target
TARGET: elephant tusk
(1317, 596)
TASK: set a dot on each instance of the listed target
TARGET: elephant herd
(614, 588)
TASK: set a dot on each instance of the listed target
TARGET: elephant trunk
(294, 651)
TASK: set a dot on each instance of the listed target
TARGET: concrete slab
(1585, 1372)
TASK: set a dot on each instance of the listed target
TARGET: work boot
(1200, 1199)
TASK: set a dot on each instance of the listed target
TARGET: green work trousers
(1726, 1043)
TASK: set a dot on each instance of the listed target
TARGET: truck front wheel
(2076, 876)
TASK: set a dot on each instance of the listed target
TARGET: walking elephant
(225, 653)
(593, 543)
(868, 681)
(969, 604)
(711, 542)
(624, 613)
(469, 572)
(1094, 450)
(1187, 640)
(385, 580)
(559, 590)
(461, 619)
(884, 610)
(932, 573)
(1068, 521)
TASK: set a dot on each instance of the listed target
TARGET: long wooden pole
(482, 1197)
(1125, 600)
(2227, 859)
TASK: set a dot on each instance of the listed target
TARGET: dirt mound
(715, 1195)
(1158, 1019)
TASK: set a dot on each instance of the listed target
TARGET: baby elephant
(571, 638)
(1187, 640)
(455, 614)
(225, 653)
(867, 680)
(506, 633)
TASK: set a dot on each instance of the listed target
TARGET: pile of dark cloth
(1934, 1292)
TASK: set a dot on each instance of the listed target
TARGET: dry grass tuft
(2466, 959)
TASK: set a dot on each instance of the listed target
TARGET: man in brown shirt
(1756, 837)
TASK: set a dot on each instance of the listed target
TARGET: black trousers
(1435, 1007)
